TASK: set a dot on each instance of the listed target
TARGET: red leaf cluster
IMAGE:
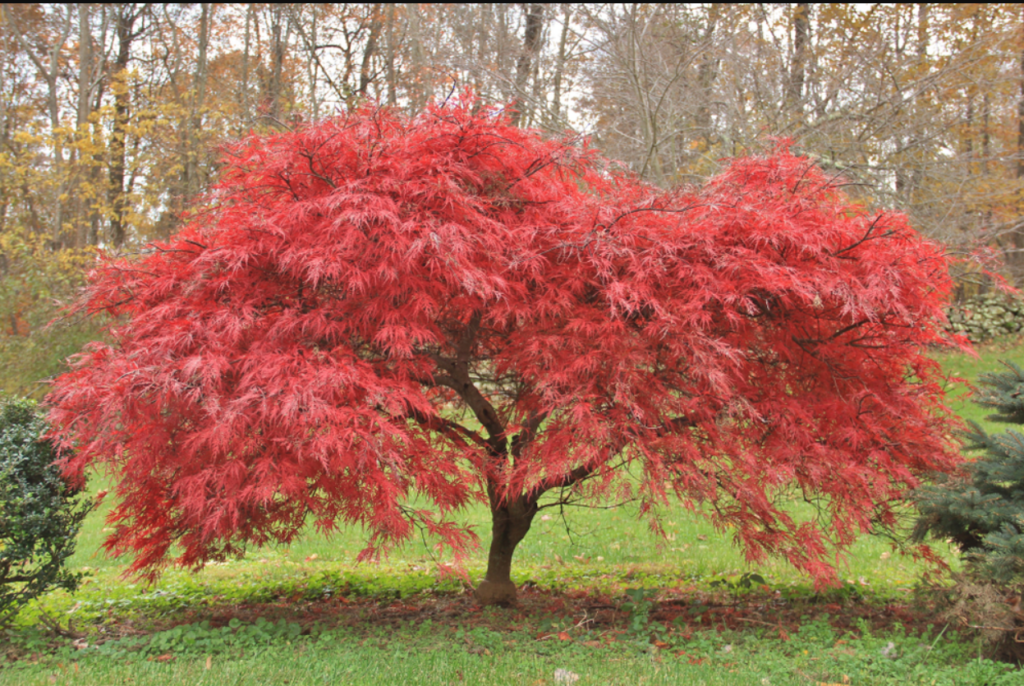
(375, 308)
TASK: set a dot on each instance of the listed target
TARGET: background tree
(378, 307)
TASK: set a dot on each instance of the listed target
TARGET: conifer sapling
(982, 507)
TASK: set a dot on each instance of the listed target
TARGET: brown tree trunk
(1017, 237)
(275, 91)
(531, 50)
(509, 524)
(389, 57)
(365, 75)
(244, 95)
(125, 18)
(801, 39)
(193, 182)
(417, 87)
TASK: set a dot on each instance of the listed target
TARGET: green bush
(40, 514)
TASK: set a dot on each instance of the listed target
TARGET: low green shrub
(40, 515)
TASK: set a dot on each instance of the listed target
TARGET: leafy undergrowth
(336, 631)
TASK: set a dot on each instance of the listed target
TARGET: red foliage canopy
(374, 307)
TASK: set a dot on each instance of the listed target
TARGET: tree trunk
(417, 87)
(509, 524)
(1017, 237)
(531, 50)
(193, 183)
(365, 75)
(274, 94)
(84, 63)
(126, 16)
(244, 95)
(556, 98)
(801, 39)
(389, 58)
(706, 75)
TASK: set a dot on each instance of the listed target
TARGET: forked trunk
(509, 524)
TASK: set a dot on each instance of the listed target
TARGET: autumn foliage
(376, 307)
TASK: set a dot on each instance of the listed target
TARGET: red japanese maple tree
(376, 307)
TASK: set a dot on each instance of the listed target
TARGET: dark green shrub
(39, 514)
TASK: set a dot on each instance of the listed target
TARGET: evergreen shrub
(40, 514)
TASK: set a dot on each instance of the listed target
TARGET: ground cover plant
(378, 320)
(654, 635)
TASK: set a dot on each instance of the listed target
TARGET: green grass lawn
(969, 367)
(588, 553)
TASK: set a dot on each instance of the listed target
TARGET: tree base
(495, 593)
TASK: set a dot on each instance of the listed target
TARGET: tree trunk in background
(193, 182)
(125, 18)
(416, 88)
(1017, 236)
(556, 86)
(798, 68)
(276, 86)
(365, 69)
(389, 57)
(531, 48)
(80, 212)
(84, 63)
(706, 75)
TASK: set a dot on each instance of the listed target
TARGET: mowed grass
(427, 653)
(598, 551)
(969, 368)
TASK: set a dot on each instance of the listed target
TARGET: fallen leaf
(209, 661)
(701, 537)
(563, 636)
(564, 676)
